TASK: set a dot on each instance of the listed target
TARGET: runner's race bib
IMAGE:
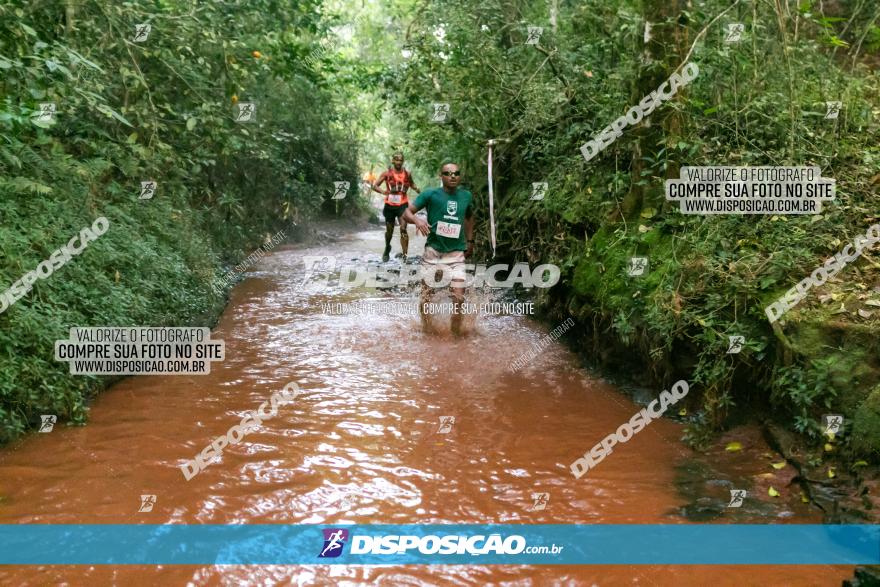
(448, 229)
(395, 199)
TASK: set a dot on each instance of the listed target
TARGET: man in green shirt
(450, 232)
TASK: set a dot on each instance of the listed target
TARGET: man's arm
(378, 182)
(410, 216)
(469, 231)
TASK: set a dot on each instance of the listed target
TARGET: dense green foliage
(756, 102)
(161, 109)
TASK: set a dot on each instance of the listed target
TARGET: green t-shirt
(446, 214)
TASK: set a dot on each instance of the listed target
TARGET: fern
(24, 184)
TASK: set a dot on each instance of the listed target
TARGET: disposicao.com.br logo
(431, 544)
(334, 541)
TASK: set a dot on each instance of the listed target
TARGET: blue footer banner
(478, 544)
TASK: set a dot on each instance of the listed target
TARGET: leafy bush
(161, 109)
(757, 102)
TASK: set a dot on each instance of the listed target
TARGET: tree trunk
(661, 55)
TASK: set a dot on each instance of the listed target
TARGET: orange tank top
(398, 183)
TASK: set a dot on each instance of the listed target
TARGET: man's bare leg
(458, 301)
(426, 297)
(404, 237)
(389, 232)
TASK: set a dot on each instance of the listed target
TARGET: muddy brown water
(360, 445)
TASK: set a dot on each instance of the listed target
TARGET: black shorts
(392, 213)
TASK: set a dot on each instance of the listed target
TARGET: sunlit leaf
(110, 112)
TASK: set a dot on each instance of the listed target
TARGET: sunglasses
(451, 173)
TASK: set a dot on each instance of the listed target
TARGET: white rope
(491, 202)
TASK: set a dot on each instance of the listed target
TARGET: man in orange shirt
(397, 180)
